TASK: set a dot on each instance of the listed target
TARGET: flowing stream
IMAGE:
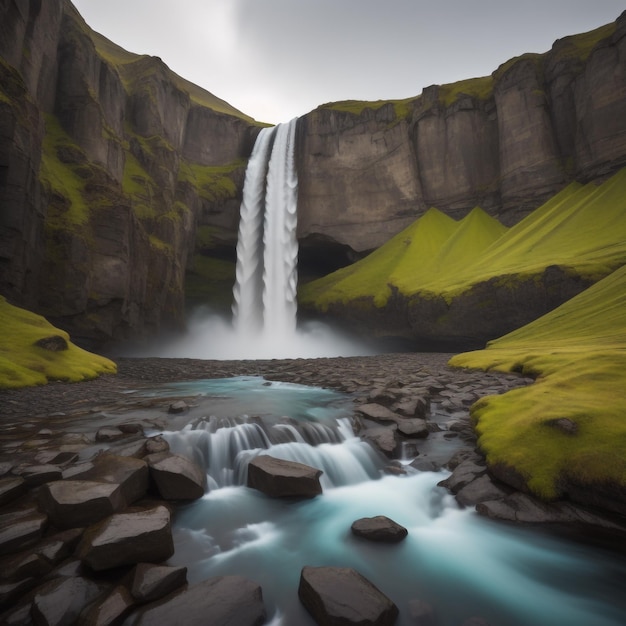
(461, 564)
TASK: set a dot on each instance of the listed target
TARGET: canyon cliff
(120, 182)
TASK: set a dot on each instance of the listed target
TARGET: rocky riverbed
(63, 561)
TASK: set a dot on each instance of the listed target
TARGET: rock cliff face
(505, 142)
(110, 164)
(115, 172)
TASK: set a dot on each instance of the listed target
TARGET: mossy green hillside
(22, 363)
(582, 229)
(578, 353)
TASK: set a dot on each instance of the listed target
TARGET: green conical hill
(578, 352)
(411, 252)
(582, 229)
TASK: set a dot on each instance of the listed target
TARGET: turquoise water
(461, 564)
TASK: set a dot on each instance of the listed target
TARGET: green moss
(402, 108)
(532, 57)
(214, 183)
(480, 88)
(23, 364)
(578, 352)
(580, 46)
(582, 230)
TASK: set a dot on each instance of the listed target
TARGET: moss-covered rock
(33, 352)
(565, 435)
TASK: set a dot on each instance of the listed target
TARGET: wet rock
(75, 503)
(128, 538)
(132, 475)
(340, 595)
(18, 533)
(35, 475)
(382, 437)
(176, 477)
(379, 528)
(228, 600)
(152, 582)
(11, 487)
(108, 610)
(480, 490)
(180, 406)
(565, 425)
(412, 406)
(377, 412)
(157, 444)
(61, 600)
(413, 427)
(283, 479)
(109, 433)
(464, 473)
(11, 591)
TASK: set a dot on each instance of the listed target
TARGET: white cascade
(267, 250)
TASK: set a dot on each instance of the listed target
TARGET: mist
(213, 336)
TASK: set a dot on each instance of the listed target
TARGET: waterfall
(267, 249)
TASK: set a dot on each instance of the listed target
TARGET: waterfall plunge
(265, 307)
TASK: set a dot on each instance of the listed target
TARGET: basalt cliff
(120, 182)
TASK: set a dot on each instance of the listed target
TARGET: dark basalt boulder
(283, 479)
(220, 601)
(379, 528)
(341, 596)
(176, 477)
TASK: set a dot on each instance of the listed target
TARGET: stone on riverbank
(11, 487)
(151, 582)
(379, 528)
(18, 532)
(340, 595)
(176, 477)
(108, 610)
(74, 503)
(220, 601)
(60, 601)
(283, 479)
(128, 538)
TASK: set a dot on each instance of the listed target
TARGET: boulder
(35, 475)
(228, 600)
(18, 533)
(379, 528)
(176, 477)
(180, 406)
(480, 490)
(128, 538)
(11, 487)
(340, 595)
(412, 406)
(413, 427)
(130, 474)
(152, 582)
(74, 503)
(382, 437)
(377, 412)
(60, 601)
(278, 478)
(109, 433)
(108, 610)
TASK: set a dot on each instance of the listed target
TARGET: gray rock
(283, 479)
(74, 503)
(228, 600)
(11, 487)
(340, 595)
(35, 475)
(480, 490)
(109, 433)
(128, 538)
(413, 427)
(16, 534)
(412, 406)
(54, 343)
(379, 528)
(60, 601)
(176, 477)
(108, 610)
(157, 444)
(132, 475)
(180, 406)
(11, 591)
(152, 582)
(377, 412)
(464, 473)
(382, 437)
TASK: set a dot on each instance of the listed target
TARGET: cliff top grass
(578, 354)
(581, 229)
(402, 107)
(134, 67)
(22, 363)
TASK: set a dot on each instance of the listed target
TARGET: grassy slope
(22, 363)
(578, 352)
(581, 228)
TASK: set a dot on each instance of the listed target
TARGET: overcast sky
(279, 59)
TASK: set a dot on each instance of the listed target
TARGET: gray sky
(278, 59)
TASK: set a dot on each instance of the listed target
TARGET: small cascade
(225, 446)
(264, 295)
